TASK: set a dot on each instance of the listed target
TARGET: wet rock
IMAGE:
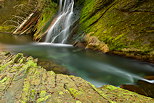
(146, 57)
(149, 77)
(52, 66)
(79, 44)
(142, 87)
(94, 43)
(22, 80)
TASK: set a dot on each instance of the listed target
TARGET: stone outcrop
(92, 42)
(22, 81)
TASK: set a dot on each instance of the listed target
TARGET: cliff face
(125, 25)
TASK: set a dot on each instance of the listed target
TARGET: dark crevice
(102, 15)
(105, 4)
(74, 82)
(135, 5)
(66, 88)
(55, 80)
(132, 11)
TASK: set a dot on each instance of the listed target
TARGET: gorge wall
(124, 25)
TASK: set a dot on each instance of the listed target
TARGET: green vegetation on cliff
(120, 23)
(21, 80)
(49, 9)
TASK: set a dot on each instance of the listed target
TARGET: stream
(93, 66)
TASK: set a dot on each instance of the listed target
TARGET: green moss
(101, 93)
(61, 93)
(3, 80)
(17, 57)
(43, 93)
(25, 92)
(120, 24)
(78, 102)
(75, 92)
(43, 97)
(48, 11)
(2, 67)
(33, 95)
(6, 28)
(31, 63)
(111, 87)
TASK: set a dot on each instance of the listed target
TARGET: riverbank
(22, 80)
(93, 43)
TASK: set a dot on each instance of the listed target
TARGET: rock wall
(124, 25)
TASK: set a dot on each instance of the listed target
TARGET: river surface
(95, 67)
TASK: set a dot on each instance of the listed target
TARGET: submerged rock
(142, 87)
(52, 66)
(22, 80)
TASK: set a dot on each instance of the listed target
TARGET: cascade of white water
(59, 31)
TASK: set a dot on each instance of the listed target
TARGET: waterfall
(60, 30)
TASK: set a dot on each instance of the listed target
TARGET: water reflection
(95, 67)
(8, 38)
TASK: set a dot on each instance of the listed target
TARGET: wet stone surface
(23, 81)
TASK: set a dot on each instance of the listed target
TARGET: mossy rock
(22, 80)
(120, 23)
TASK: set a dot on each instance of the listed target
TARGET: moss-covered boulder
(122, 24)
(23, 81)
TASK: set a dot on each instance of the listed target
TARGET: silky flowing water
(59, 31)
(97, 68)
